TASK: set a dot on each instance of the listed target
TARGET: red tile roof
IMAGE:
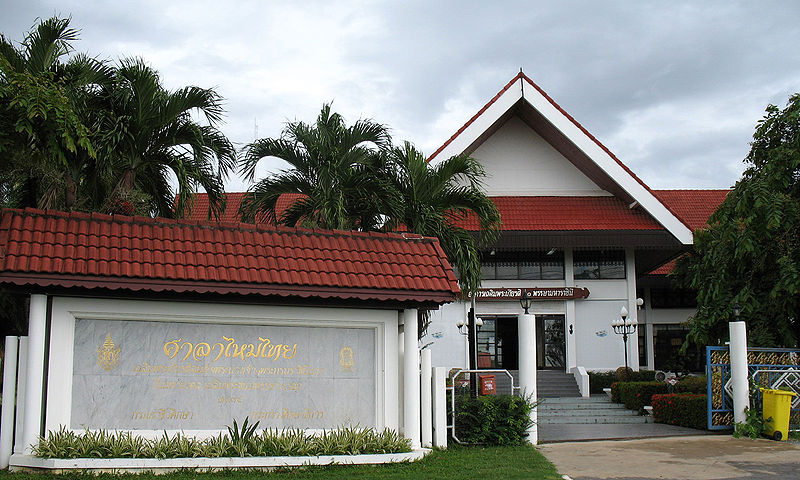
(50, 248)
(566, 214)
(199, 210)
(693, 207)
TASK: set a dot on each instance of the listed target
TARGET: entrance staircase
(561, 403)
(556, 383)
(591, 410)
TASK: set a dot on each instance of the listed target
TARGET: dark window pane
(587, 271)
(487, 271)
(507, 271)
(553, 271)
(529, 271)
(612, 270)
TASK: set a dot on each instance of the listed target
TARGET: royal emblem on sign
(108, 355)
(346, 359)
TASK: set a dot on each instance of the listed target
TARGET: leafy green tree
(150, 137)
(750, 252)
(44, 139)
(337, 168)
(432, 199)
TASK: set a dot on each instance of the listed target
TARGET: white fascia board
(485, 120)
(610, 166)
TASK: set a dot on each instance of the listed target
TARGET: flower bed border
(166, 465)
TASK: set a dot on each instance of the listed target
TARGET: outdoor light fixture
(463, 328)
(525, 301)
(737, 309)
(624, 327)
(639, 303)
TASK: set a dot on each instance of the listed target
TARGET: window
(523, 266)
(599, 265)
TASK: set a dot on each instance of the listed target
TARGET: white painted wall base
(166, 465)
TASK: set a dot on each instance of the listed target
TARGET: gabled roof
(524, 98)
(113, 252)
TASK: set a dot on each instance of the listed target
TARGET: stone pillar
(739, 374)
(439, 407)
(426, 433)
(22, 368)
(9, 393)
(32, 423)
(411, 397)
(527, 367)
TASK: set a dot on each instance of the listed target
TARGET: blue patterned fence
(768, 367)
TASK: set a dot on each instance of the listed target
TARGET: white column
(439, 407)
(411, 378)
(401, 391)
(569, 280)
(391, 380)
(35, 373)
(22, 368)
(9, 393)
(426, 434)
(739, 374)
(633, 339)
(527, 366)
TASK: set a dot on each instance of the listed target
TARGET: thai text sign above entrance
(188, 376)
(555, 293)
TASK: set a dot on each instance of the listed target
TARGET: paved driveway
(690, 458)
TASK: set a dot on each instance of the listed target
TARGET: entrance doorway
(551, 347)
(498, 342)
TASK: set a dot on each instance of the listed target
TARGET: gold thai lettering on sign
(229, 349)
(162, 414)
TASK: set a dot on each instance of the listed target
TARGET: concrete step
(599, 412)
(582, 400)
(544, 407)
(551, 420)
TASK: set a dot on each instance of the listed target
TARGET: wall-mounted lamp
(525, 301)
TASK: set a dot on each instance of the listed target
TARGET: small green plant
(753, 426)
(493, 419)
(241, 441)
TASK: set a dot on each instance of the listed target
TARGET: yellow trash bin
(777, 406)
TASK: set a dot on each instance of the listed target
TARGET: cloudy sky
(673, 88)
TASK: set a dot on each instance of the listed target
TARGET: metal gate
(767, 367)
(507, 388)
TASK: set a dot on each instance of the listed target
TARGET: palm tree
(46, 137)
(337, 168)
(150, 138)
(434, 199)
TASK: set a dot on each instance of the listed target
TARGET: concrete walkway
(712, 457)
(573, 432)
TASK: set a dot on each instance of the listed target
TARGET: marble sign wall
(158, 375)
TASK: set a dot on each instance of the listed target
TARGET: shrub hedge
(492, 419)
(682, 409)
(600, 380)
(635, 395)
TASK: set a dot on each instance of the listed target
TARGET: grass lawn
(454, 463)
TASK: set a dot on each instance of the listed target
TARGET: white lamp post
(624, 327)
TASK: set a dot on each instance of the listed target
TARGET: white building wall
(518, 161)
(593, 343)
